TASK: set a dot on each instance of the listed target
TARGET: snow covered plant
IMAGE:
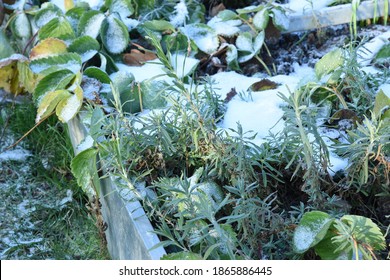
(351, 237)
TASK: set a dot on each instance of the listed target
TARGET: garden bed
(273, 164)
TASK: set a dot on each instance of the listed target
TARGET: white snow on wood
(367, 52)
(307, 6)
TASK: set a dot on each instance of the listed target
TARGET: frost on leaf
(114, 35)
(247, 47)
(227, 28)
(181, 14)
(311, 230)
(203, 35)
(90, 23)
(21, 26)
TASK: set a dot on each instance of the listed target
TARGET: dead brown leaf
(138, 58)
(262, 85)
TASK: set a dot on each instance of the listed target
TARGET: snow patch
(15, 155)
(181, 14)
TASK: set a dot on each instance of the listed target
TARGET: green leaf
(280, 19)
(48, 47)
(382, 105)
(49, 102)
(248, 48)
(231, 57)
(21, 26)
(383, 54)
(329, 62)
(364, 231)
(311, 230)
(98, 74)
(327, 249)
(182, 256)
(52, 82)
(5, 48)
(249, 9)
(122, 7)
(203, 35)
(114, 35)
(70, 106)
(159, 25)
(226, 15)
(260, 20)
(153, 94)
(83, 167)
(85, 46)
(57, 28)
(90, 23)
(43, 16)
(74, 15)
(47, 65)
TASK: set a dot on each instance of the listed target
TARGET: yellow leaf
(69, 4)
(48, 47)
(7, 74)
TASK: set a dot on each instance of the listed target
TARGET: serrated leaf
(158, 25)
(114, 34)
(47, 65)
(43, 16)
(182, 256)
(74, 15)
(56, 28)
(21, 26)
(382, 105)
(52, 82)
(383, 54)
(5, 48)
(280, 19)
(85, 46)
(203, 35)
(49, 102)
(329, 62)
(261, 18)
(83, 168)
(70, 106)
(311, 230)
(90, 23)
(98, 74)
(48, 47)
(122, 7)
